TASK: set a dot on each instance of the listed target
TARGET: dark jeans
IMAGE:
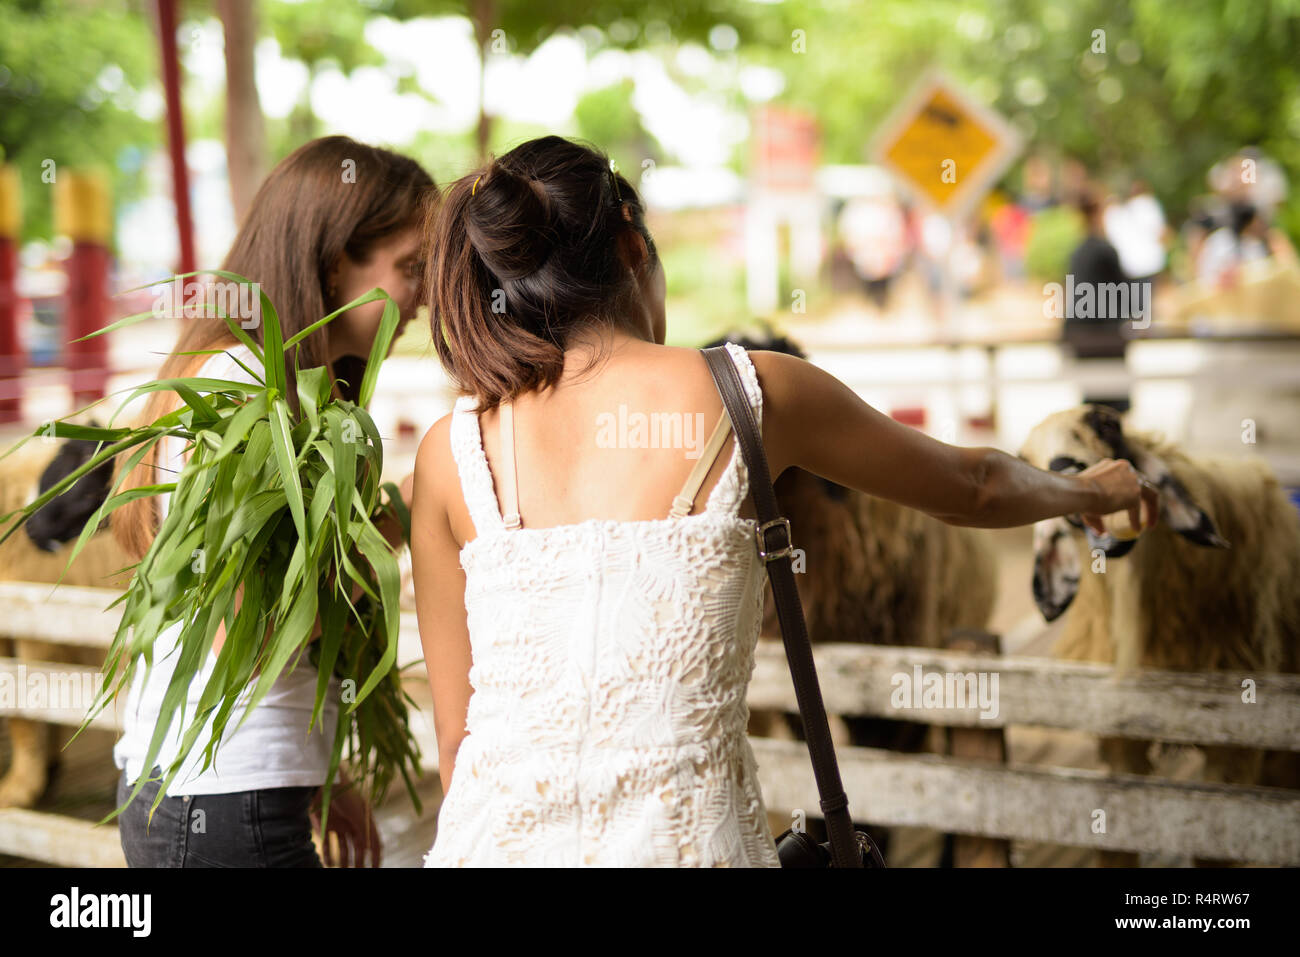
(266, 828)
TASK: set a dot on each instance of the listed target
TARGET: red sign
(785, 149)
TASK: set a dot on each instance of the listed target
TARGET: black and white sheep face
(1075, 439)
(1056, 567)
(1070, 442)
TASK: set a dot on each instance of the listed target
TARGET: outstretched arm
(814, 421)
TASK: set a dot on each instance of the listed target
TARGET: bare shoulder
(805, 409)
(774, 369)
(781, 378)
(435, 465)
(778, 372)
(794, 386)
(434, 452)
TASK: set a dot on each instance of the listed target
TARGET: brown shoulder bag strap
(845, 851)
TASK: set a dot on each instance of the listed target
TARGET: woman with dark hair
(586, 578)
(333, 220)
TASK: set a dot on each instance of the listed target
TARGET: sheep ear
(1056, 567)
(1177, 509)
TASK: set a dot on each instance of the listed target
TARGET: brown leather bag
(848, 846)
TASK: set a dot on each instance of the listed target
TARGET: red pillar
(176, 132)
(87, 361)
(83, 214)
(12, 359)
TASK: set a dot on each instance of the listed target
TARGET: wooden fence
(986, 798)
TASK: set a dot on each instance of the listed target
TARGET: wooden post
(83, 213)
(12, 359)
(985, 744)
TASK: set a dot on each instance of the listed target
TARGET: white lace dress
(610, 666)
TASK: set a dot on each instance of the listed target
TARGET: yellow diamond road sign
(944, 146)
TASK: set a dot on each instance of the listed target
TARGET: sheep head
(62, 518)
(1071, 441)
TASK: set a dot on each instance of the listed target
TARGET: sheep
(1214, 586)
(883, 574)
(41, 555)
(875, 573)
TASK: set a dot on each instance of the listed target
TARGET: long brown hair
(330, 197)
(523, 256)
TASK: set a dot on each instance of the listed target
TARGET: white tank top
(273, 749)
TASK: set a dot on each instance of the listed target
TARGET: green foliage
(70, 74)
(527, 24)
(277, 501)
(1178, 88)
(1054, 233)
(705, 295)
(607, 118)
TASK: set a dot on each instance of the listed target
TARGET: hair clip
(475, 186)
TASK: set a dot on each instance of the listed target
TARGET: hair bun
(508, 219)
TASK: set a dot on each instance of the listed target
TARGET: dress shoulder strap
(733, 486)
(509, 476)
(472, 466)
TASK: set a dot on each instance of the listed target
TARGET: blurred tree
(245, 125)
(608, 119)
(75, 79)
(1142, 89)
(521, 26)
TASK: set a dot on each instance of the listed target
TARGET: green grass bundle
(281, 503)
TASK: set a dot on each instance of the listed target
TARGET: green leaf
(286, 459)
(379, 350)
(361, 300)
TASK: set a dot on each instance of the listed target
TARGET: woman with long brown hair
(590, 597)
(333, 220)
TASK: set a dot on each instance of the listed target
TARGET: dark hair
(330, 196)
(1088, 202)
(1240, 215)
(523, 256)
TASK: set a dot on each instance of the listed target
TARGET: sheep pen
(41, 555)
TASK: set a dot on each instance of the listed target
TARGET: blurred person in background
(875, 238)
(1203, 218)
(1247, 238)
(1249, 177)
(1137, 228)
(974, 259)
(1095, 263)
(1009, 225)
(1038, 193)
(932, 238)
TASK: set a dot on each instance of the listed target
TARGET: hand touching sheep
(1120, 487)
